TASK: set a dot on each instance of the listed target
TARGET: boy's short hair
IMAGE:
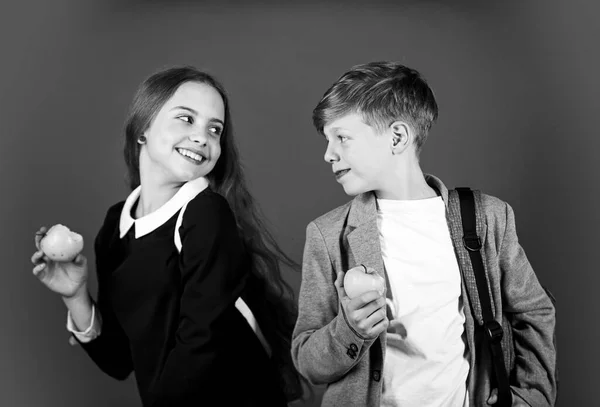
(382, 92)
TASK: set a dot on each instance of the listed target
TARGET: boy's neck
(406, 183)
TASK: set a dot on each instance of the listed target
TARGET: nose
(198, 137)
(331, 155)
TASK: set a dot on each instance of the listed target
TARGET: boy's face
(359, 156)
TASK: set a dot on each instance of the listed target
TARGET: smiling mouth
(339, 174)
(191, 156)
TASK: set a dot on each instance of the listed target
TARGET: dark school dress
(170, 317)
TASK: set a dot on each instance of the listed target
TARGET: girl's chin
(186, 173)
(191, 176)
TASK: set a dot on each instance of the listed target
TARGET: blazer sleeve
(532, 315)
(322, 342)
(212, 278)
(110, 349)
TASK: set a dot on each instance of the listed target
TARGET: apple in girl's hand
(359, 280)
(60, 244)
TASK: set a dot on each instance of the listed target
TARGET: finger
(390, 308)
(375, 318)
(364, 299)
(493, 397)
(38, 270)
(39, 235)
(368, 309)
(80, 260)
(378, 327)
(37, 257)
(368, 322)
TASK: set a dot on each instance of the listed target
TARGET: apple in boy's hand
(60, 244)
(359, 280)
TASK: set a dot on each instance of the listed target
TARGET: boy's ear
(401, 136)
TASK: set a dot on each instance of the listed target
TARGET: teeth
(190, 154)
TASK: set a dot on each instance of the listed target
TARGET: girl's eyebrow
(189, 109)
(217, 121)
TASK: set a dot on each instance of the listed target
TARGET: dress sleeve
(110, 349)
(90, 333)
(213, 277)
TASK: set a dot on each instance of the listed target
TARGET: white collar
(150, 222)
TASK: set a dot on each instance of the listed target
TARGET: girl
(190, 294)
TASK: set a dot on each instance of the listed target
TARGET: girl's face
(183, 141)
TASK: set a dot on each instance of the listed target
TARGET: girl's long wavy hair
(227, 178)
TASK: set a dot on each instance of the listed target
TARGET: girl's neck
(153, 195)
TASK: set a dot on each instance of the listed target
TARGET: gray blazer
(326, 350)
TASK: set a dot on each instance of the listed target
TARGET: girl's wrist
(81, 296)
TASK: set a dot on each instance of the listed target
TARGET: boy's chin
(353, 190)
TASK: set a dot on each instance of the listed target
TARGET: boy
(419, 343)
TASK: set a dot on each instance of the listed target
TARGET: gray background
(517, 84)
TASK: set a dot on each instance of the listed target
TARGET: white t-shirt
(426, 360)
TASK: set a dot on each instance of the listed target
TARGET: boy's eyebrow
(334, 129)
(189, 109)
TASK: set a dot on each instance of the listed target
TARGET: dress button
(376, 375)
(354, 347)
(351, 353)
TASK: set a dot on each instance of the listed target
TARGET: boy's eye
(186, 118)
(342, 138)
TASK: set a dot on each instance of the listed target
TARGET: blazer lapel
(363, 238)
(364, 244)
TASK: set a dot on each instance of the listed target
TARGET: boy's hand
(516, 400)
(366, 313)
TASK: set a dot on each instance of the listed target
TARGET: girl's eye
(215, 130)
(342, 138)
(186, 118)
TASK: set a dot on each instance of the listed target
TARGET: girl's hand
(68, 279)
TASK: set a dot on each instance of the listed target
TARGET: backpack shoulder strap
(455, 224)
(492, 328)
